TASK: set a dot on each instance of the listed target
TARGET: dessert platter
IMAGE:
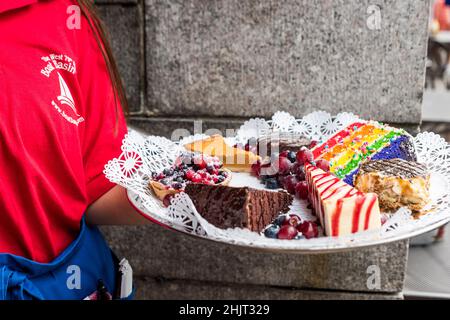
(321, 183)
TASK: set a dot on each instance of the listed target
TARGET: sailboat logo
(69, 113)
(66, 97)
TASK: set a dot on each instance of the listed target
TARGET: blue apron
(73, 275)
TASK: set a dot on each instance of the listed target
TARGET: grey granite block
(125, 26)
(248, 58)
(163, 289)
(156, 252)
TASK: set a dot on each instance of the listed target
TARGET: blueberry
(179, 179)
(164, 181)
(210, 168)
(220, 179)
(177, 186)
(272, 184)
(280, 220)
(272, 232)
(292, 156)
(168, 172)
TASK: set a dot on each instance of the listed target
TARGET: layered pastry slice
(234, 159)
(341, 209)
(229, 207)
(361, 141)
(398, 183)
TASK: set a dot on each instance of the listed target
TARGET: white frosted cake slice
(341, 209)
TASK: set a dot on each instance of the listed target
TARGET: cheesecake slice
(341, 209)
(234, 159)
(228, 207)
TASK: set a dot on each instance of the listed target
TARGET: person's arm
(113, 208)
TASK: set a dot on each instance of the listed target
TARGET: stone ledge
(163, 289)
(154, 251)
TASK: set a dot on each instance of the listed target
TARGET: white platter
(142, 155)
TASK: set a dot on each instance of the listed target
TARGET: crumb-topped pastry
(341, 209)
(188, 168)
(398, 183)
(361, 141)
(229, 207)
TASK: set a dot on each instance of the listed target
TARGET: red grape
(287, 232)
(301, 190)
(289, 184)
(304, 156)
(284, 165)
(308, 229)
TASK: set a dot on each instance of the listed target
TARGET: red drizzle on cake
(341, 209)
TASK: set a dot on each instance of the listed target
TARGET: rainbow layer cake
(341, 209)
(364, 140)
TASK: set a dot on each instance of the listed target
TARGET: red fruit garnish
(256, 169)
(284, 154)
(200, 162)
(304, 156)
(197, 178)
(289, 184)
(323, 164)
(313, 144)
(301, 190)
(287, 232)
(299, 171)
(160, 176)
(202, 173)
(292, 220)
(284, 166)
(308, 229)
(190, 174)
(166, 200)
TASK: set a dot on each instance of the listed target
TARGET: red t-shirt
(57, 126)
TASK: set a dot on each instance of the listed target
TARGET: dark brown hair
(88, 10)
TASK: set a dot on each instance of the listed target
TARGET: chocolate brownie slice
(229, 207)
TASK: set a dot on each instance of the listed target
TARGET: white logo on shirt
(63, 62)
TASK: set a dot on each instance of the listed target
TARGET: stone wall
(223, 61)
